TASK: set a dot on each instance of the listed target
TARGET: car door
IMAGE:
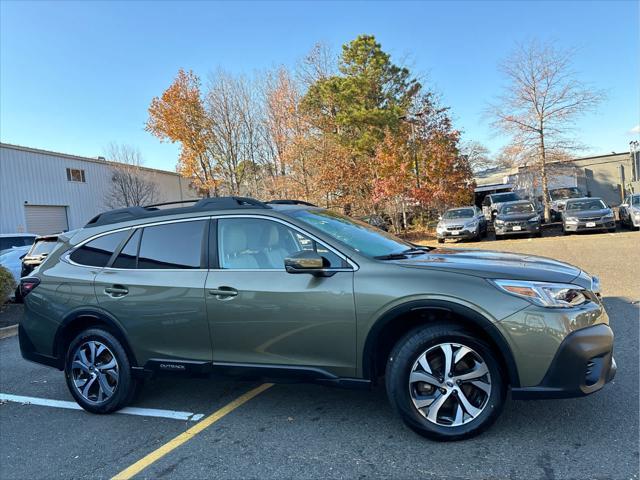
(260, 314)
(154, 287)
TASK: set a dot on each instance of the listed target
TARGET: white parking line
(143, 412)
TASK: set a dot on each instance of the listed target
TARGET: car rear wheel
(98, 372)
(444, 383)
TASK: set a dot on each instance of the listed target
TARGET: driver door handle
(116, 291)
(223, 292)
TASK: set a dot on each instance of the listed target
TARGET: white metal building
(46, 192)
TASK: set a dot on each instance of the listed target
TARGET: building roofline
(80, 158)
(591, 157)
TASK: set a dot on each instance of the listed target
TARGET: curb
(10, 331)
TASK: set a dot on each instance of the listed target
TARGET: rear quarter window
(97, 253)
(173, 246)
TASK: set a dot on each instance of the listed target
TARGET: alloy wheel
(450, 384)
(95, 371)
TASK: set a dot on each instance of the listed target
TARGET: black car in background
(588, 213)
(517, 218)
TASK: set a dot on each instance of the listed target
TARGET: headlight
(571, 220)
(535, 219)
(636, 214)
(499, 222)
(553, 295)
(439, 228)
(608, 216)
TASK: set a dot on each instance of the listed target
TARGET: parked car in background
(11, 259)
(517, 218)
(629, 211)
(588, 213)
(491, 203)
(379, 221)
(37, 253)
(462, 223)
(558, 199)
(9, 240)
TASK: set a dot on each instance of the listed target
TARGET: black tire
(612, 230)
(401, 361)
(125, 387)
(441, 240)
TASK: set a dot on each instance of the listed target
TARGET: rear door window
(173, 246)
(97, 253)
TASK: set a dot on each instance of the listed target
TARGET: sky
(75, 76)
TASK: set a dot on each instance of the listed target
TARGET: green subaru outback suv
(286, 289)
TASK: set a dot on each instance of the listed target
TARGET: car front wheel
(444, 383)
(98, 372)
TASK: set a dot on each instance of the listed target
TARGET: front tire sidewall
(397, 382)
(125, 385)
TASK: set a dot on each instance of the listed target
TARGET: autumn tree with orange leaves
(334, 133)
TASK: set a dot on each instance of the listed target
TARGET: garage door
(46, 219)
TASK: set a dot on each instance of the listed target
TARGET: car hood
(490, 264)
(588, 213)
(516, 216)
(445, 222)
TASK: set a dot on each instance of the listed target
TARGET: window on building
(75, 175)
(172, 246)
(97, 253)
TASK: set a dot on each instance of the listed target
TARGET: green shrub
(7, 285)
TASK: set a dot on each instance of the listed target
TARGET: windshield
(635, 200)
(586, 204)
(562, 193)
(43, 247)
(504, 197)
(517, 208)
(360, 236)
(17, 241)
(459, 213)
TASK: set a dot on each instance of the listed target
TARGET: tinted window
(508, 209)
(586, 204)
(504, 197)
(174, 245)
(9, 242)
(97, 253)
(252, 243)
(127, 258)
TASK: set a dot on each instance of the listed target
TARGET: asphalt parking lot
(309, 431)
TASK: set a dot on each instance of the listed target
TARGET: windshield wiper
(417, 250)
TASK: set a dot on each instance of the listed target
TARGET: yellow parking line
(156, 455)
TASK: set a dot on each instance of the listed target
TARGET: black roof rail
(150, 211)
(290, 202)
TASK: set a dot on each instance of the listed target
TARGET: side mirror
(307, 261)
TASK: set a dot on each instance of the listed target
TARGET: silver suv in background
(462, 223)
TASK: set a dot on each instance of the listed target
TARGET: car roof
(199, 207)
(573, 200)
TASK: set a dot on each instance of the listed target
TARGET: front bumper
(463, 234)
(583, 364)
(582, 226)
(514, 230)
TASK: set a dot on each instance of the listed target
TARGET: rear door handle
(223, 292)
(116, 291)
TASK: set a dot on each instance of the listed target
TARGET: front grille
(516, 224)
(454, 227)
(590, 219)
